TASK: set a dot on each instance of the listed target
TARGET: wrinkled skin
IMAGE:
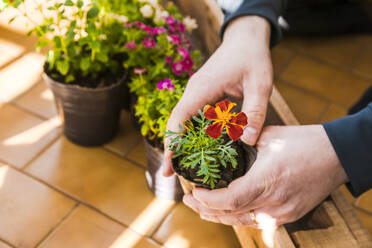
(296, 168)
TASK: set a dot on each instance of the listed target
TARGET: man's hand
(296, 168)
(241, 67)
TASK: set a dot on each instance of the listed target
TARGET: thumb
(255, 107)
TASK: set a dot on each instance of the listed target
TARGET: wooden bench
(334, 222)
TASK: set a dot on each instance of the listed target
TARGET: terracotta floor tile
(280, 57)
(86, 228)
(20, 24)
(3, 245)
(103, 180)
(127, 137)
(20, 76)
(335, 85)
(9, 51)
(334, 112)
(138, 154)
(23, 136)
(338, 50)
(183, 228)
(306, 107)
(364, 65)
(38, 100)
(29, 209)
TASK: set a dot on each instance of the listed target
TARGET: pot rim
(195, 184)
(48, 79)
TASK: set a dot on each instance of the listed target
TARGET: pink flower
(159, 30)
(187, 63)
(148, 42)
(183, 52)
(178, 68)
(175, 39)
(170, 21)
(140, 70)
(168, 60)
(131, 45)
(191, 73)
(181, 27)
(166, 84)
(148, 29)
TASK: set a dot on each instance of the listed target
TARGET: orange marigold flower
(223, 117)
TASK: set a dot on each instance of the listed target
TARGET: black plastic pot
(90, 115)
(163, 187)
(249, 153)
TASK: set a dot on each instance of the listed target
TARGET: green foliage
(198, 150)
(86, 42)
(154, 110)
(154, 106)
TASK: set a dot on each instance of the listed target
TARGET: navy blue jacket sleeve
(351, 138)
(268, 9)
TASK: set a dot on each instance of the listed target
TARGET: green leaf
(62, 67)
(69, 3)
(80, 3)
(16, 3)
(51, 58)
(57, 41)
(41, 44)
(70, 78)
(85, 64)
(93, 12)
(12, 19)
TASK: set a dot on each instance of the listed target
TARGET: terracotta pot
(163, 187)
(250, 154)
(90, 115)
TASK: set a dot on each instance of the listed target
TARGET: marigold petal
(240, 119)
(215, 130)
(234, 131)
(224, 105)
(210, 113)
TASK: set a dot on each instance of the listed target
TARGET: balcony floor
(54, 193)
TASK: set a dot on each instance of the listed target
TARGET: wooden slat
(352, 220)
(337, 235)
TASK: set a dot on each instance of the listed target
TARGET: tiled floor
(56, 194)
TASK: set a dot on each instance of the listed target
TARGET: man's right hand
(241, 68)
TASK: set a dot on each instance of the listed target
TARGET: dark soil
(104, 79)
(228, 174)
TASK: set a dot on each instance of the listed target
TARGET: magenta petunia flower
(168, 60)
(170, 21)
(178, 68)
(187, 63)
(148, 42)
(140, 70)
(148, 29)
(175, 39)
(191, 73)
(181, 27)
(165, 84)
(159, 30)
(183, 52)
(131, 45)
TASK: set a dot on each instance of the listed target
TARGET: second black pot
(163, 187)
(90, 115)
